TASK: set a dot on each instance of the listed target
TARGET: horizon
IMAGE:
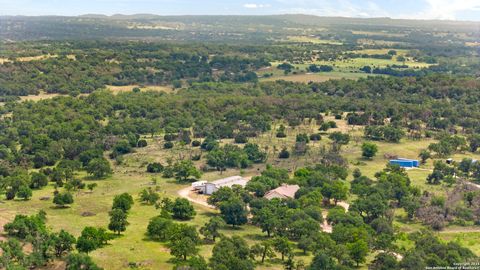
(454, 10)
(235, 15)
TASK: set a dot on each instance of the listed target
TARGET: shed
(198, 185)
(405, 163)
(210, 187)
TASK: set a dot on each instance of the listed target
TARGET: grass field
(346, 68)
(379, 33)
(316, 77)
(313, 40)
(128, 88)
(29, 58)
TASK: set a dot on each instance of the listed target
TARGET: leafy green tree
(149, 196)
(254, 153)
(369, 150)
(185, 170)
(63, 199)
(12, 255)
(99, 168)
(233, 212)
(339, 191)
(38, 180)
(155, 167)
(92, 186)
(183, 248)
(474, 142)
(62, 242)
(24, 192)
(223, 194)
(123, 201)
(266, 219)
(211, 229)
(282, 246)
(322, 261)
(23, 226)
(424, 155)
(92, 238)
(183, 241)
(182, 209)
(231, 253)
(159, 228)
(263, 250)
(118, 220)
(358, 251)
(384, 261)
(339, 138)
(80, 261)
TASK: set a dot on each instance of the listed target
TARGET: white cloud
(447, 9)
(254, 6)
(342, 8)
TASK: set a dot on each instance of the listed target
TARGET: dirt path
(473, 184)
(328, 227)
(190, 195)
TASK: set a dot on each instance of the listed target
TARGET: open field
(346, 68)
(128, 88)
(29, 58)
(114, 89)
(313, 40)
(316, 77)
(379, 33)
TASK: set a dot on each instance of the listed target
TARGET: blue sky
(416, 9)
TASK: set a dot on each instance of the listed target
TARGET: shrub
(284, 154)
(142, 143)
(155, 167)
(168, 145)
(196, 143)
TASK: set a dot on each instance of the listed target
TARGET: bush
(62, 199)
(369, 150)
(170, 137)
(315, 137)
(168, 145)
(196, 143)
(241, 138)
(155, 167)
(182, 209)
(142, 143)
(284, 154)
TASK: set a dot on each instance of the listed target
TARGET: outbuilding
(210, 187)
(405, 163)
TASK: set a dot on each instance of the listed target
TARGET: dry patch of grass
(312, 39)
(28, 58)
(39, 97)
(380, 33)
(316, 77)
(128, 88)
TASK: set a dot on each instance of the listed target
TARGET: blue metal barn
(405, 163)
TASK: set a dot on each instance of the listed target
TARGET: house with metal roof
(282, 192)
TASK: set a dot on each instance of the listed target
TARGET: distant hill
(211, 28)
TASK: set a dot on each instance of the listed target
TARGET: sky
(408, 9)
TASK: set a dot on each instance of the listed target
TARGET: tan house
(282, 192)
